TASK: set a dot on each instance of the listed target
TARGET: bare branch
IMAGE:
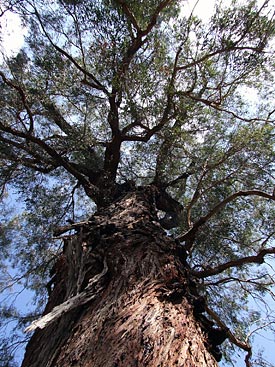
(216, 105)
(253, 281)
(261, 327)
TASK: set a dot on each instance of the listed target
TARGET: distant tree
(139, 143)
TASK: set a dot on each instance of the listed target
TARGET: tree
(127, 129)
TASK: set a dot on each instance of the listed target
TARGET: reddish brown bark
(146, 310)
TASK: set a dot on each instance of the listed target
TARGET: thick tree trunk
(143, 310)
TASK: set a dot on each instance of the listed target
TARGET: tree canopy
(106, 95)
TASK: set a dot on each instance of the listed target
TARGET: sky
(12, 35)
(202, 8)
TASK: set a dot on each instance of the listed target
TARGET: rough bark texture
(146, 310)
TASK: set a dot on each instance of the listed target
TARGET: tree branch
(253, 281)
(30, 163)
(181, 177)
(164, 119)
(112, 153)
(95, 82)
(165, 116)
(190, 235)
(57, 158)
(129, 14)
(217, 52)
(38, 158)
(254, 259)
(55, 115)
(48, 105)
(245, 346)
(153, 21)
(216, 105)
(23, 99)
(139, 40)
(74, 226)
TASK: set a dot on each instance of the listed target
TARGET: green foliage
(104, 92)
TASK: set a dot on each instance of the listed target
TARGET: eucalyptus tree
(139, 142)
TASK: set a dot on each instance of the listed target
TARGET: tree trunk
(143, 310)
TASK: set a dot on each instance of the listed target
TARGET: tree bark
(144, 310)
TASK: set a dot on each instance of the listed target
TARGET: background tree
(142, 116)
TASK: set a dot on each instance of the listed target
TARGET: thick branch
(254, 259)
(169, 138)
(190, 235)
(181, 177)
(74, 226)
(112, 158)
(112, 153)
(58, 119)
(139, 40)
(163, 121)
(166, 113)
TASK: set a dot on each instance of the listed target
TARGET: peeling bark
(146, 310)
